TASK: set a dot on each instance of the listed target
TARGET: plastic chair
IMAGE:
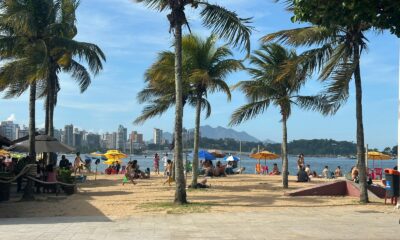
(265, 169)
(378, 172)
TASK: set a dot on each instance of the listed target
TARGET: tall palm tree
(269, 85)
(61, 53)
(225, 24)
(205, 69)
(336, 53)
(36, 42)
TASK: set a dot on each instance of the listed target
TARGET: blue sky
(131, 35)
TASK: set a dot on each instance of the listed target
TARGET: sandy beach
(240, 193)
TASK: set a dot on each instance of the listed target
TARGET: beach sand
(239, 193)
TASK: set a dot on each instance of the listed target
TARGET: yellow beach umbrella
(377, 156)
(112, 161)
(4, 152)
(266, 155)
(115, 154)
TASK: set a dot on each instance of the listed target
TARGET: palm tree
(205, 68)
(36, 38)
(61, 50)
(224, 24)
(336, 52)
(269, 85)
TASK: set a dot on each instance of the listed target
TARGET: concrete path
(280, 223)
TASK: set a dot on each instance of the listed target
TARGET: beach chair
(265, 169)
(378, 172)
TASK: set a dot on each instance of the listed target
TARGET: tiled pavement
(280, 223)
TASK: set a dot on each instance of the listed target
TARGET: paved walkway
(281, 223)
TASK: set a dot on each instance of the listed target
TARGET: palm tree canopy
(331, 53)
(40, 34)
(269, 87)
(222, 22)
(205, 68)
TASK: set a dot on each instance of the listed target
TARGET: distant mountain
(221, 132)
(167, 136)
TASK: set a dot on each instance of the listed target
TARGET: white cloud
(11, 117)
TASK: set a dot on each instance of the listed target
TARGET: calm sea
(316, 163)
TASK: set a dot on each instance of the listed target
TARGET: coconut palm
(336, 53)
(225, 24)
(270, 86)
(205, 69)
(36, 36)
(61, 50)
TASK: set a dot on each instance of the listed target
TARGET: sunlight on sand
(106, 196)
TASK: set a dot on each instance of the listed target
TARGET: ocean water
(316, 163)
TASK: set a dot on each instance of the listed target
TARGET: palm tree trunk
(46, 118)
(50, 128)
(180, 192)
(28, 191)
(52, 92)
(360, 129)
(285, 173)
(195, 165)
(32, 127)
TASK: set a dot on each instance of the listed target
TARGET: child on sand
(169, 172)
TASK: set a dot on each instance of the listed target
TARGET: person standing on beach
(165, 161)
(300, 161)
(78, 163)
(156, 163)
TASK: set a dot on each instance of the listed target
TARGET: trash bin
(392, 183)
(5, 191)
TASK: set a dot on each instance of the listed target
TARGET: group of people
(219, 170)
(133, 172)
(113, 168)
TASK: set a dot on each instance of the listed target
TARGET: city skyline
(110, 99)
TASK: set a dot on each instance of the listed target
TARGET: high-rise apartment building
(157, 136)
(22, 132)
(8, 129)
(93, 141)
(68, 136)
(122, 136)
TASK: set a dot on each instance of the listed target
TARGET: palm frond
(155, 108)
(226, 24)
(306, 36)
(205, 105)
(249, 111)
(318, 103)
(80, 74)
(337, 90)
(159, 5)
